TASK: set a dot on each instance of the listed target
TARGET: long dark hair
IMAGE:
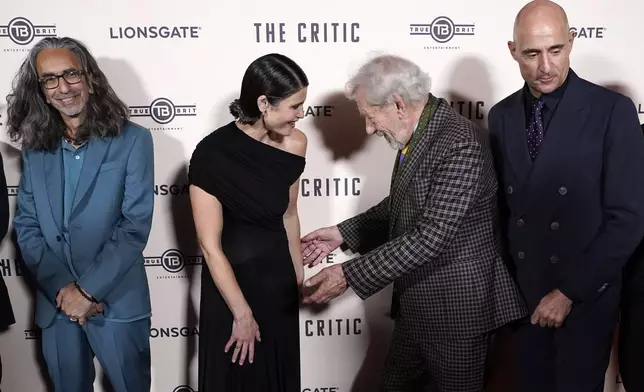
(273, 75)
(33, 123)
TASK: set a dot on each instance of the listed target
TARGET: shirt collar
(67, 143)
(415, 126)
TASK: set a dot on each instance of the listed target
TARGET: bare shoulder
(296, 143)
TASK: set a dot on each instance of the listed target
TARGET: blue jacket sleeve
(130, 235)
(51, 273)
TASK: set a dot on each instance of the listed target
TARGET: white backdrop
(179, 64)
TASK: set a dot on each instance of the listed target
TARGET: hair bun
(235, 108)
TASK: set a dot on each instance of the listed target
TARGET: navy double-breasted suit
(571, 218)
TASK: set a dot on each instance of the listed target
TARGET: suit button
(554, 259)
(554, 225)
(521, 255)
(58, 238)
(563, 190)
(510, 190)
(520, 222)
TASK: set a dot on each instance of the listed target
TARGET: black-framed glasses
(71, 76)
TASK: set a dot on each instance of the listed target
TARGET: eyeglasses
(71, 77)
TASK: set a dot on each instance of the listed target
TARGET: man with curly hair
(84, 214)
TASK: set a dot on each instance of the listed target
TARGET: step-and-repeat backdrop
(179, 64)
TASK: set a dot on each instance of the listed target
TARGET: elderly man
(84, 215)
(569, 155)
(433, 236)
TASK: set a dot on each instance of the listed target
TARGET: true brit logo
(22, 32)
(442, 29)
(173, 261)
(32, 334)
(163, 111)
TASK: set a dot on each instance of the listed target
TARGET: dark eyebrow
(531, 51)
(537, 51)
(53, 74)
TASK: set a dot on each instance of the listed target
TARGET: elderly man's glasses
(72, 76)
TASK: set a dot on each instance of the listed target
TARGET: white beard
(395, 144)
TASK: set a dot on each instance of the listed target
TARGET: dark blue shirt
(73, 159)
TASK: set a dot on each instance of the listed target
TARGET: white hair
(386, 75)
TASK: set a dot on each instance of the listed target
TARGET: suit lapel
(561, 136)
(96, 150)
(515, 135)
(53, 169)
(402, 181)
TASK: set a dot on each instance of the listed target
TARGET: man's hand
(62, 293)
(96, 309)
(552, 310)
(318, 244)
(331, 283)
(72, 302)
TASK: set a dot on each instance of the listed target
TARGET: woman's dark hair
(33, 123)
(273, 75)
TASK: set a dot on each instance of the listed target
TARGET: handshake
(76, 304)
(330, 281)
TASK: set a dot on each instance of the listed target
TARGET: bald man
(569, 155)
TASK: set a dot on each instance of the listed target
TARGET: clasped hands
(75, 305)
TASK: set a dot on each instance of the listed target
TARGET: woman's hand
(245, 331)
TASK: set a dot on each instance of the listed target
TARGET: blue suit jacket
(573, 216)
(109, 224)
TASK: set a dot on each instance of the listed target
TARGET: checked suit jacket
(436, 237)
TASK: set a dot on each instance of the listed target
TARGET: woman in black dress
(244, 181)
